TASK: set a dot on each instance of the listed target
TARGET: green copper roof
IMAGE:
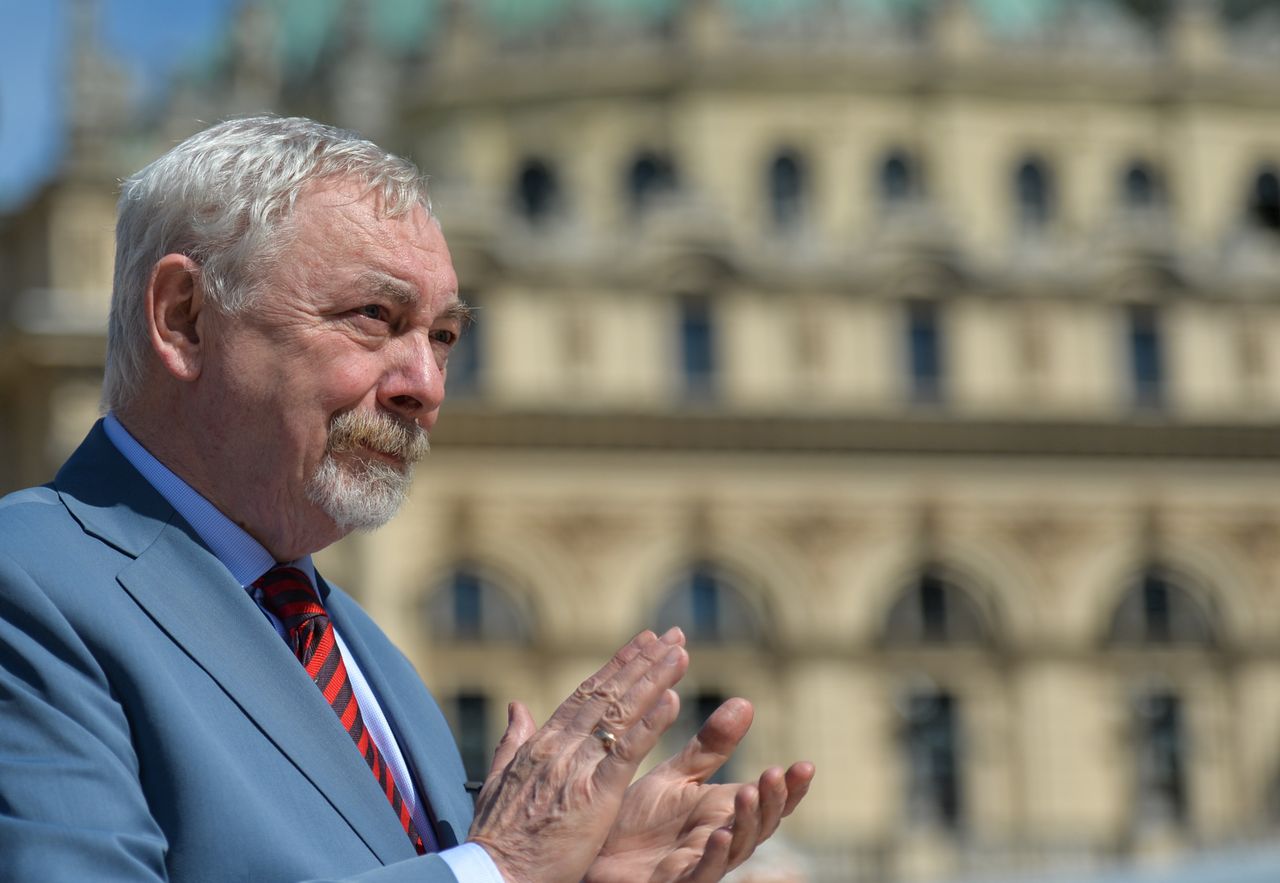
(403, 25)
(513, 16)
(1016, 17)
(303, 29)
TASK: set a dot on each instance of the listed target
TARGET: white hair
(224, 198)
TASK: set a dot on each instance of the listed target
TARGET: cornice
(474, 426)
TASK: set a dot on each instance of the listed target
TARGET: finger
(568, 710)
(715, 741)
(638, 720)
(798, 778)
(607, 704)
(773, 797)
(714, 863)
(746, 825)
(520, 727)
(657, 721)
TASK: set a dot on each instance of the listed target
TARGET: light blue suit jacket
(154, 726)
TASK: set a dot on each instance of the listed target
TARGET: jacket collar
(195, 601)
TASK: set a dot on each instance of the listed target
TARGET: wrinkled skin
(673, 826)
(556, 806)
(551, 795)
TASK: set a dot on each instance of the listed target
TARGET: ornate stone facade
(921, 359)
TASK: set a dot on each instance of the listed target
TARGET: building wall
(579, 472)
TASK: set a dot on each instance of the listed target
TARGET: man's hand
(551, 796)
(673, 827)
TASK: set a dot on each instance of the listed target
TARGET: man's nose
(414, 384)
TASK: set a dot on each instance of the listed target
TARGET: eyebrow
(460, 311)
(402, 293)
(392, 289)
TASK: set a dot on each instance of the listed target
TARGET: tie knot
(287, 593)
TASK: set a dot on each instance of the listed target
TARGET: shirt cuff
(471, 864)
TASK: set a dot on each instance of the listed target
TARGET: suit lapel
(195, 601)
(437, 772)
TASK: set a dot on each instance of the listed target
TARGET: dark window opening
(1146, 356)
(933, 611)
(931, 745)
(787, 191)
(1264, 204)
(468, 607)
(925, 352)
(1161, 759)
(709, 608)
(1157, 612)
(697, 346)
(1142, 187)
(1035, 197)
(900, 179)
(467, 357)
(537, 191)
(933, 608)
(471, 730)
(650, 177)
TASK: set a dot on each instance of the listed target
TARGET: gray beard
(360, 495)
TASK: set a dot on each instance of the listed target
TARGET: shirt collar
(245, 557)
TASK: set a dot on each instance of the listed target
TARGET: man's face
(323, 390)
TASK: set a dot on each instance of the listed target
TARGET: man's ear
(175, 301)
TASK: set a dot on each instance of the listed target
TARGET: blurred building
(920, 358)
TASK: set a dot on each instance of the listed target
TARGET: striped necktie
(288, 593)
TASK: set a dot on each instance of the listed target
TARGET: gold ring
(607, 739)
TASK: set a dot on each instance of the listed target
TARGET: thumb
(520, 727)
(715, 742)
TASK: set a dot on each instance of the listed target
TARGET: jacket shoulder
(34, 521)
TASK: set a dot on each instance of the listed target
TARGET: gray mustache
(352, 430)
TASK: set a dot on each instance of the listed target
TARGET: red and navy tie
(287, 593)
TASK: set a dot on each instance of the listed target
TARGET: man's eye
(373, 311)
(445, 336)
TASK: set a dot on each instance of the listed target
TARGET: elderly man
(283, 312)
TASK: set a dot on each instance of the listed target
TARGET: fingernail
(673, 656)
(672, 635)
(511, 712)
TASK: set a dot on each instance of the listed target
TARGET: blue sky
(149, 37)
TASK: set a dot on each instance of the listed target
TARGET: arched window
(900, 179)
(1264, 202)
(1157, 611)
(1142, 187)
(787, 190)
(1033, 188)
(470, 607)
(650, 176)
(707, 605)
(537, 190)
(935, 611)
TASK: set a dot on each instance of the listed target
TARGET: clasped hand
(559, 804)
